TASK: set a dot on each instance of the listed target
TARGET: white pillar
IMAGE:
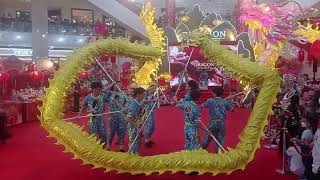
(39, 15)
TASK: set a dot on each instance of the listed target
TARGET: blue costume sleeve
(181, 105)
(198, 114)
(229, 106)
(130, 110)
(106, 97)
(187, 97)
(86, 101)
(206, 104)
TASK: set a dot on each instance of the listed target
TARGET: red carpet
(30, 155)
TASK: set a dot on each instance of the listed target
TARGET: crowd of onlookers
(55, 26)
(9, 23)
(294, 126)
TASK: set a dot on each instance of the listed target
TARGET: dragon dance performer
(148, 102)
(135, 120)
(95, 103)
(116, 121)
(217, 113)
(191, 86)
(192, 115)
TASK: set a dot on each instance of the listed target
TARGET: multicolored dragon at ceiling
(272, 25)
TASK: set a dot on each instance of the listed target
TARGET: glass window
(82, 15)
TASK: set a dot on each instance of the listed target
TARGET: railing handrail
(130, 5)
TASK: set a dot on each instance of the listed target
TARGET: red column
(171, 13)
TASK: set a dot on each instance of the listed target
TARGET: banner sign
(202, 66)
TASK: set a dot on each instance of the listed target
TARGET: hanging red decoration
(162, 81)
(84, 75)
(301, 55)
(104, 58)
(4, 76)
(310, 59)
(315, 50)
(113, 59)
(104, 29)
(97, 28)
(37, 76)
(126, 66)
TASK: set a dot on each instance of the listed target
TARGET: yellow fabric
(86, 148)
(156, 37)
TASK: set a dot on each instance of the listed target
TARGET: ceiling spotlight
(18, 37)
(80, 40)
(61, 39)
(43, 35)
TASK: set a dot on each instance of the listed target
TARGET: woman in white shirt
(300, 165)
(316, 154)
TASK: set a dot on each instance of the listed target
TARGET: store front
(26, 53)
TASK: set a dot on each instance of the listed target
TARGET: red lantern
(84, 75)
(36, 75)
(97, 28)
(113, 59)
(104, 30)
(301, 55)
(125, 66)
(41, 76)
(104, 58)
(162, 81)
(315, 50)
(4, 76)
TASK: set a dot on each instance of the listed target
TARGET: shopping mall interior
(89, 89)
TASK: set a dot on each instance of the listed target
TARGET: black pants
(307, 161)
(76, 102)
(4, 134)
(315, 176)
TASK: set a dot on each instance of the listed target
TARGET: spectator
(4, 134)
(316, 154)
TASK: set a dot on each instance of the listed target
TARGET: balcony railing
(65, 28)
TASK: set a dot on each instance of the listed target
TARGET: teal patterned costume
(150, 124)
(117, 123)
(191, 115)
(217, 111)
(136, 112)
(187, 97)
(97, 106)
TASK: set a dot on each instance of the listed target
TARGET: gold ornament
(310, 34)
(156, 37)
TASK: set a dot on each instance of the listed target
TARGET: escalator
(123, 13)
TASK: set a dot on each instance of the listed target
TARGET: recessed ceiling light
(61, 39)
(18, 37)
